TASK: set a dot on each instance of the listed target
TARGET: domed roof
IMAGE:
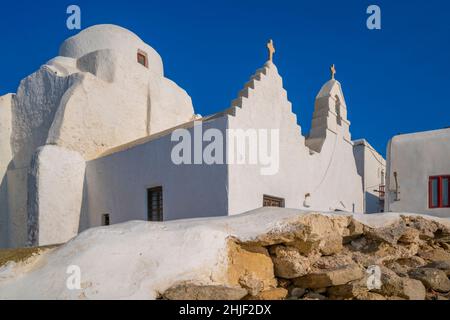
(108, 36)
(331, 88)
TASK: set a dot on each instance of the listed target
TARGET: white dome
(108, 36)
(331, 88)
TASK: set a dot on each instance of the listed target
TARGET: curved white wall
(107, 36)
(56, 189)
(91, 98)
(415, 157)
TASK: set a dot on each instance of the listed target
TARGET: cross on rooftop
(333, 71)
(271, 49)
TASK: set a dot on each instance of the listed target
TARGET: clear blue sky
(395, 80)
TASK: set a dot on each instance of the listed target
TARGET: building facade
(418, 173)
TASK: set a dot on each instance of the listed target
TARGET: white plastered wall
(35, 105)
(91, 98)
(372, 167)
(330, 177)
(56, 190)
(6, 106)
(117, 184)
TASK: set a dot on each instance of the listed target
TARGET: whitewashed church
(87, 141)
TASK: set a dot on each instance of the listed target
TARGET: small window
(105, 220)
(269, 201)
(445, 192)
(439, 192)
(142, 58)
(338, 111)
(155, 204)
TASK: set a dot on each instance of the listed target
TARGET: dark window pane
(269, 201)
(445, 200)
(155, 204)
(105, 220)
(142, 59)
(434, 192)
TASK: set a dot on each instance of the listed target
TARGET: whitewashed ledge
(141, 260)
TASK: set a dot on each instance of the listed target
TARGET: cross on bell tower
(333, 71)
(271, 49)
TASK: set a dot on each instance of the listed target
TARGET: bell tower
(330, 114)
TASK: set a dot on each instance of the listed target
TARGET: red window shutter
(439, 192)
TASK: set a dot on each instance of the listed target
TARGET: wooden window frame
(273, 199)
(440, 187)
(159, 214)
(143, 54)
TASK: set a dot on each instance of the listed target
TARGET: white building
(418, 173)
(87, 140)
(372, 168)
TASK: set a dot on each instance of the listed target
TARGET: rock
(388, 252)
(254, 286)
(297, 292)
(320, 290)
(306, 247)
(322, 233)
(436, 296)
(350, 290)
(426, 227)
(400, 270)
(289, 263)
(331, 245)
(403, 265)
(410, 235)
(442, 235)
(363, 260)
(250, 267)
(441, 265)
(284, 283)
(412, 262)
(395, 298)
(321, 226)
(330, 277)
(368, 254)
(314, 296)
(435, 255)
(411, 289)
(332, 262)
(369, 296)
(393, 285)
(271, 294)
(199, 292)
(434, 279)
(359, 244)
(389, 234)
(355, 230)
(307, 228)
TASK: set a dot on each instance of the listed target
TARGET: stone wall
(267, 254)
(336, 258)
